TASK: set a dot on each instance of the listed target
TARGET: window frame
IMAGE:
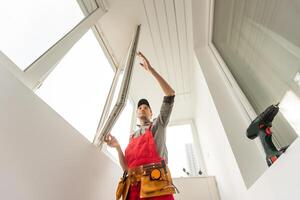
(196, 142)
(239, 95)
(34, 75)
(132, 122)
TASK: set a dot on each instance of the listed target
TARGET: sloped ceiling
(166, 39)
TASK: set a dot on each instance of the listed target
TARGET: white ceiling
(166, 39)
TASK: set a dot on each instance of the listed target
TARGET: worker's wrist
(151, 69)
(118, 147)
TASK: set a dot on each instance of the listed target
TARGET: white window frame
(196, 142)
(104, 129)
(240, 96)
(39, 70)
(34, 75)
(132, 122)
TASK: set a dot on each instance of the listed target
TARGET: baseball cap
(143, 101)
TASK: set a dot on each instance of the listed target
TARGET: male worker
(147, 145)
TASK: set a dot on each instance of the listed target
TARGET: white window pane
(29, 28)
(290, 108)
(78, 87)
(181, 153)
(260, 44)
(121, 129)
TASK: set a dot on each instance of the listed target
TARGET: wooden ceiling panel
(182, 40)
(175, 47)
(150, 12)
(166, 39)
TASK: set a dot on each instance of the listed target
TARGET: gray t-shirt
(159, 127)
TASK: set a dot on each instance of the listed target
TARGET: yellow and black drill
(261, 126)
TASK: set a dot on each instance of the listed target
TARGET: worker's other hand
(111, 141)
(144, 62)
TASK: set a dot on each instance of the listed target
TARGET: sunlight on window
(181, 151)
(29, 28)
(290, 109)
(121, 129)
(78, 87)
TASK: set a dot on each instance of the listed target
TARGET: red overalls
(141, 151)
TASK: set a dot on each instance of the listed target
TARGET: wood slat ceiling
(166, 39)
(168, 28)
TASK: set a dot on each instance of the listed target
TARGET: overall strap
(149, 128)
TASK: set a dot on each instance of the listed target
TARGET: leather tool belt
(155, 180)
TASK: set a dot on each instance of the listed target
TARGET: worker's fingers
(106, 140)
(107, 137)
(111, 140)
(142, 55)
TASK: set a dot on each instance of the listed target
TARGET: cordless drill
(261, 126)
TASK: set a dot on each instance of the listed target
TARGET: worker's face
(144, 112)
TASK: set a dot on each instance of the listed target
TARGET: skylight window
(78, 86)
(29, 28)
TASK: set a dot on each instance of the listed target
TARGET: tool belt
(155, 180)
(123, 187)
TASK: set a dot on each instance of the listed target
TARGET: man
(147, 144)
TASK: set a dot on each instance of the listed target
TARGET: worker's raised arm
(163, 84)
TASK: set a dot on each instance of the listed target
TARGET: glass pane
(29, 28)
(181, 153)
(117, 91)
(121, 129)
(290, 108)
(259, 41)
(78, 87)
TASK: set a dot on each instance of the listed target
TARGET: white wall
(14, 69)
(42, 156)
(233, 118)
(221, 124)
(194, 188)
(218, 156)
(232, 115)
(281, 180)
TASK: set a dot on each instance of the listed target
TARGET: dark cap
(143, 101)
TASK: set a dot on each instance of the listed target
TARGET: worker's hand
(111, 141)
(144, 62)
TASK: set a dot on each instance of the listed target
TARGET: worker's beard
(144, 120)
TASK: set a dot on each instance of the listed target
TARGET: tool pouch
(156, 182)
(123, 187)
